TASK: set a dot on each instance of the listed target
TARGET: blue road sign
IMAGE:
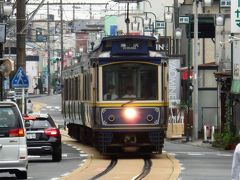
(20, 79)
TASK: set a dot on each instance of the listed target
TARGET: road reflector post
(207, 133)
(212, 134)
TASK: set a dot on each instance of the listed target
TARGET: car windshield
(130, 81)
(7, 118)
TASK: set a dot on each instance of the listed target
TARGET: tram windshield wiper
(132, 100)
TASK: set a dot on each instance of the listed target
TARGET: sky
(113, 8)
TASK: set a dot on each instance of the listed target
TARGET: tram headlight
(130, 114)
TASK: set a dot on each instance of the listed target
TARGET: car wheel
(57, 154)
(21, 174)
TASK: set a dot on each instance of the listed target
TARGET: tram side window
(84, 88)
(66, 89)
(72, 89)
(76, 88)
(89, 86)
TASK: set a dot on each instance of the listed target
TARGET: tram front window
(130, 81)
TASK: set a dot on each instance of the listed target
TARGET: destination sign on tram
(129, 48)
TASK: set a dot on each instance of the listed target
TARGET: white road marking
(173, 154)
(30, 156)
(83, 155)
(202, 153)
(64, 155)
(195, 154)
(80, 164)
(225, 155)
(65, 174)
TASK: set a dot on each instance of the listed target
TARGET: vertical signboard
(235, 16)
(235, 88)
(174, 82)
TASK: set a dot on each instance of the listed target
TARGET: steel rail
(146, 170)
(109, 168)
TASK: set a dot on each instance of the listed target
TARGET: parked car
(13, 146)
(43, 136)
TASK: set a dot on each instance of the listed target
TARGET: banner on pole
(235, 16)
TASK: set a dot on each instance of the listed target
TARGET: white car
(11, 95)
(13, 146)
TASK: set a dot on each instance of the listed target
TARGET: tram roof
(122, 37)
(107, 43)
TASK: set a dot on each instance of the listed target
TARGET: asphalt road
(201, 163)
(197, 163)
(41, 167)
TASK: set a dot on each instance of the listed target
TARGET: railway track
(97, 166)
(146, 170)
(109, 168)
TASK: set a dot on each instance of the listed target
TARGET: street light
(168, 19)
(207, 3)
(220, 20)
(135, 23)
(178, 36)
(152, 24)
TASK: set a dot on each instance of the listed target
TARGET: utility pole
(62, 57)
(21, 10)
(195, 72)
(176, 25)
(127, 20)
(20, 21)
(48, 49)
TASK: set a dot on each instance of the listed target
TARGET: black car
(43, 137)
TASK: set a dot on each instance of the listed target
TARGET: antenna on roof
(127, 20)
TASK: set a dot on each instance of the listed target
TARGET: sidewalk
(198, 143)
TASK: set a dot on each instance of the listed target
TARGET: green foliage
(226, 138)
